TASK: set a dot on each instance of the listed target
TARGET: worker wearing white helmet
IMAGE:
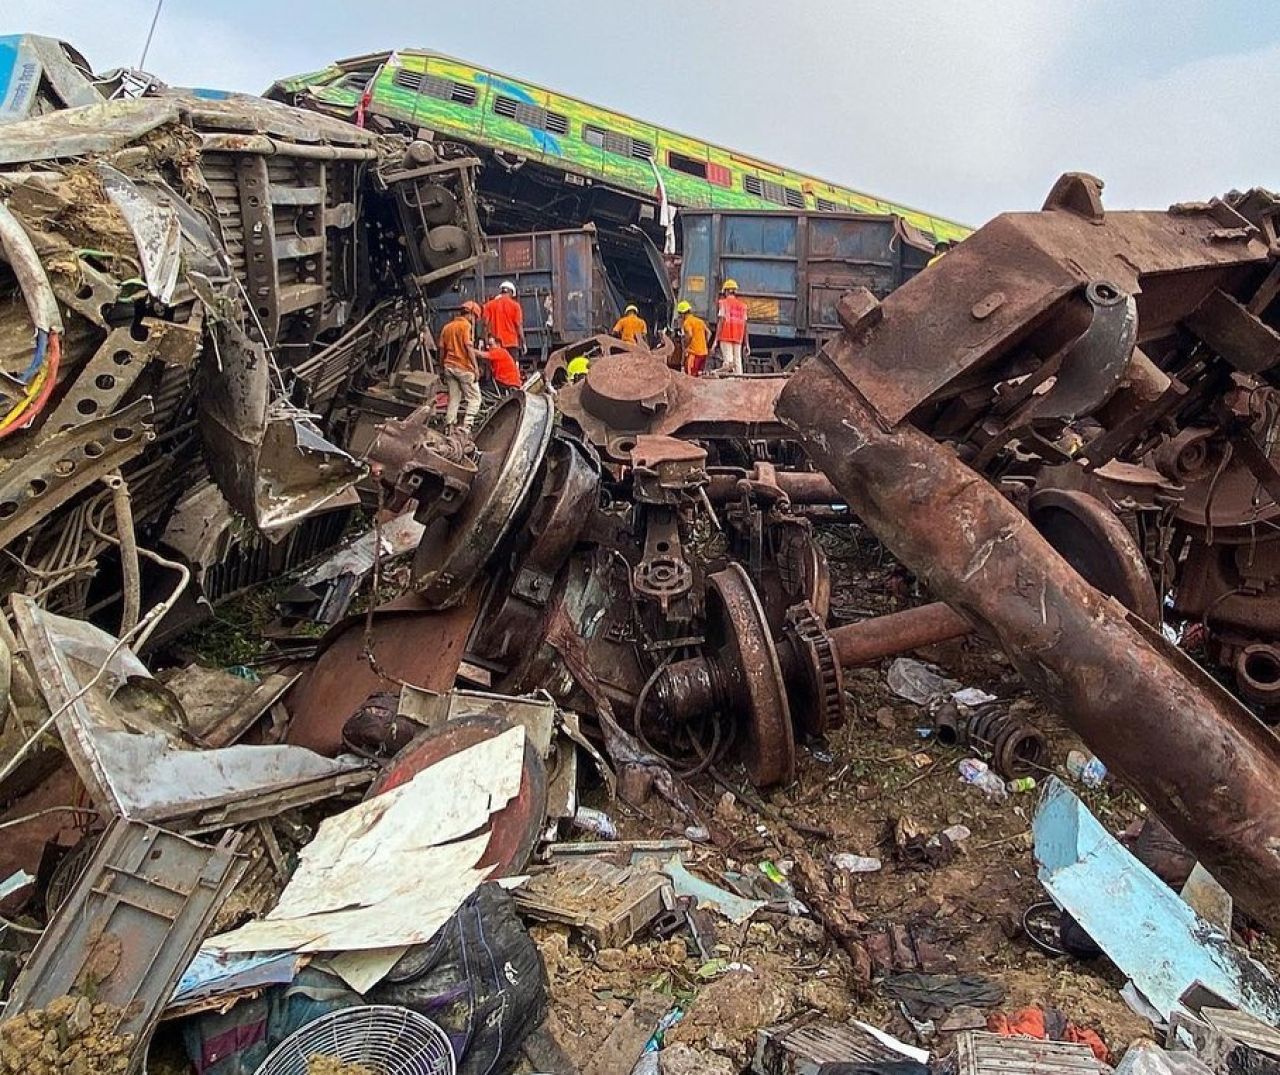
(731, 328)
(505, 318)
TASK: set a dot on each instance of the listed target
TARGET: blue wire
(37, 360)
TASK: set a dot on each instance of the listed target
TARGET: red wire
(46, 390)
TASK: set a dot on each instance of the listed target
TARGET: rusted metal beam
(800, 486)
(1200, 760)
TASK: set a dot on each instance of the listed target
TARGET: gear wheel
(817, 694)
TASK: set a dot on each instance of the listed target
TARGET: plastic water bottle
(976, 772)
(1086, 768)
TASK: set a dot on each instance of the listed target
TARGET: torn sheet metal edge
(62, 692)
(400, 536)
(213, 978)
(736, 909)
(393, 869)
(432, 709)
(130, 926)
(1144, 927)
(272, 801)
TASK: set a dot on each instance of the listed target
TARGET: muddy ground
(872, 775)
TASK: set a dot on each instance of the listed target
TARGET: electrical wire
(142, 631)
(33, 402)
(142, 63)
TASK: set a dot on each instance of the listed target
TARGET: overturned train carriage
(192, 284)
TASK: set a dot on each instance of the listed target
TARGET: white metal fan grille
(384, 1038)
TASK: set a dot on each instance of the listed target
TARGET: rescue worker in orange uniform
(693, 331)
(731, 328)
(461, 369)
(505, 318)
(505, 369)
(631, 327)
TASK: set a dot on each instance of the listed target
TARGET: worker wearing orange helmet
(505, 318)
(731, 328)
(693, 333)
(459, 357)
(631, 327)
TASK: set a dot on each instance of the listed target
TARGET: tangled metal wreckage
(1067, 428)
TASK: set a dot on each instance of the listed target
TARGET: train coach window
(443, 89)
(621, 145)
(539, 119)
(825, 206)
(678, 162)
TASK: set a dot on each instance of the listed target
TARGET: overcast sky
(961, 107)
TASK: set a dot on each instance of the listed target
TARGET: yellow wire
(20, 408)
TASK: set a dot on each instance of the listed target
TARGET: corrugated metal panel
(991, 1054)
(1243, 1028)
(802, 1045)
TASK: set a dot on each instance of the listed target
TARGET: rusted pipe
(801, 487)
(899, 632)
(1200, 760)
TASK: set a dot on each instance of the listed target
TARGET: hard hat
(577, 367)
(632, 309)
(729, 285)
(508, 287)
(683, 306)
(470, 307)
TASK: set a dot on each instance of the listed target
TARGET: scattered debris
(635, 645)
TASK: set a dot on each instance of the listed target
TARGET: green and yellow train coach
(522, 121)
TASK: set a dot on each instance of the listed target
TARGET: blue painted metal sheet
(1143, 926)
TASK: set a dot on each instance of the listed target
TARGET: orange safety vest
(731, 315)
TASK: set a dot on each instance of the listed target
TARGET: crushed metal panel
(77, 132)
(1142, 925)
(134, 764)
(982, 1054)
(130, 926)
(30, 64)
(802, 1046)
(273, 466)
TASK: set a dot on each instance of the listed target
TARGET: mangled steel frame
(1021, 295)
(203, 276)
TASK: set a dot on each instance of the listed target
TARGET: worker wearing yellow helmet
(577, 368)
(631, 327)
(731, 328)
(693, 335)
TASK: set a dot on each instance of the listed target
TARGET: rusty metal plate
(410, 642)
(988, 295)
(516, 827)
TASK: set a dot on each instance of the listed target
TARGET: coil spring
(1016, 748)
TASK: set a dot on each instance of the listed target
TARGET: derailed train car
(191, 282)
